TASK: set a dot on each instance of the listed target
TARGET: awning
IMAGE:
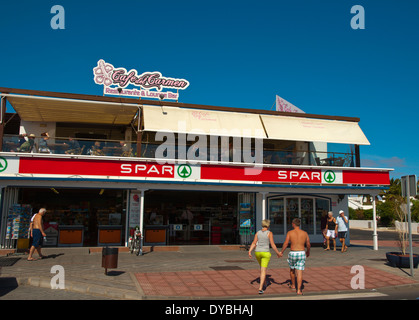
(205, 122)
(308, 129)
(42, 109)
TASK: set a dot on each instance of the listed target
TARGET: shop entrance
(79, 217)
(282, 210)
(191, 217)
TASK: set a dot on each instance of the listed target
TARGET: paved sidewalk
(202, 272)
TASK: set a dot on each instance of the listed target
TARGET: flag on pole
(285, 106)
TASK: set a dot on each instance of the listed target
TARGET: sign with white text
(69, 167)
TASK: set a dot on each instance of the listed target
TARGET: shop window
(276, 214)
(282, 210)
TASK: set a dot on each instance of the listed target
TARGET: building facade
(185, 174)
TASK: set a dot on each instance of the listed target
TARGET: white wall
(361, 224)
(37, 128)
(405, 227)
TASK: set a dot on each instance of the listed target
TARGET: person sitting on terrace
(43, 145)
(73, 146)
(13, 147)
(96, 150)
(125, 150)
(27, 146)
(22, 139)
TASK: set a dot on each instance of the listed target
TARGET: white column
(142, 219)
(263, 205)
(374, 223)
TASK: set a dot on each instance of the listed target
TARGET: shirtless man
(37, 232)
(297, 256)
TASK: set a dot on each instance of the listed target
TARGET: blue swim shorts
(37, 238)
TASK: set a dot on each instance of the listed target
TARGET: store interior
(89, 210)
(193, 217)
(189, 217)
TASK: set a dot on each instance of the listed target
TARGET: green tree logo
(3, 164)
(329, 176)
(184, 171)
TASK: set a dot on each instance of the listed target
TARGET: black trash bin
(109, 258)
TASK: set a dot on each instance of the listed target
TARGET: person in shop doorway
(262, 253)
(341, 222)
(187, 218)
(153, 217)
(297, 256)
(323, 223)
(331, 230)
(37, 232)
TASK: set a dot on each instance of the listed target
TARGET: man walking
(297, 256)
(37, 232)
(341, 222)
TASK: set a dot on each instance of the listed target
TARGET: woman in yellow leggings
(262, 253)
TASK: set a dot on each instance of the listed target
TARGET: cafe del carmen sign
(151, 84)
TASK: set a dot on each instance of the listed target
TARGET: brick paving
(201, 272)
(235, 283)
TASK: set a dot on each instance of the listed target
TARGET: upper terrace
(126, 127)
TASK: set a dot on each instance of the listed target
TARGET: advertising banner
(105, 168)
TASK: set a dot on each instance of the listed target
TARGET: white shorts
(331, 233)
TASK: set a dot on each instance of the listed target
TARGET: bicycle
(135, 242)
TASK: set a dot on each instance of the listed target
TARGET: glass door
(276, 215)
(307, 215)
(282, 210)
(292, 211)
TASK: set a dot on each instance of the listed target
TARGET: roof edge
(79, 96)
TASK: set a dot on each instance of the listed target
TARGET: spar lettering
(148, 169)
(302, 176)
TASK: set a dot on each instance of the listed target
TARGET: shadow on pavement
(7, 285)
(53, 256)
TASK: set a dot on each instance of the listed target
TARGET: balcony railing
(114, 148)
(69, 146)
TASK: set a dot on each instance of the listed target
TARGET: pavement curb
(85, 288)
(121, 294)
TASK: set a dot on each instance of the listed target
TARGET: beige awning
(42, 109)
(308, 129)
(205, 122)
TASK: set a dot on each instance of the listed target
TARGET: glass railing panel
(71, 146)
(77, 146)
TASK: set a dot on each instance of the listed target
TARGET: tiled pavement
(205, 272)
(237, 283)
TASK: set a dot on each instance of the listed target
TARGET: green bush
(415, 211)
(360, 214)
(385, 210)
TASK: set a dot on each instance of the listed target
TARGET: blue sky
(237, 54)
